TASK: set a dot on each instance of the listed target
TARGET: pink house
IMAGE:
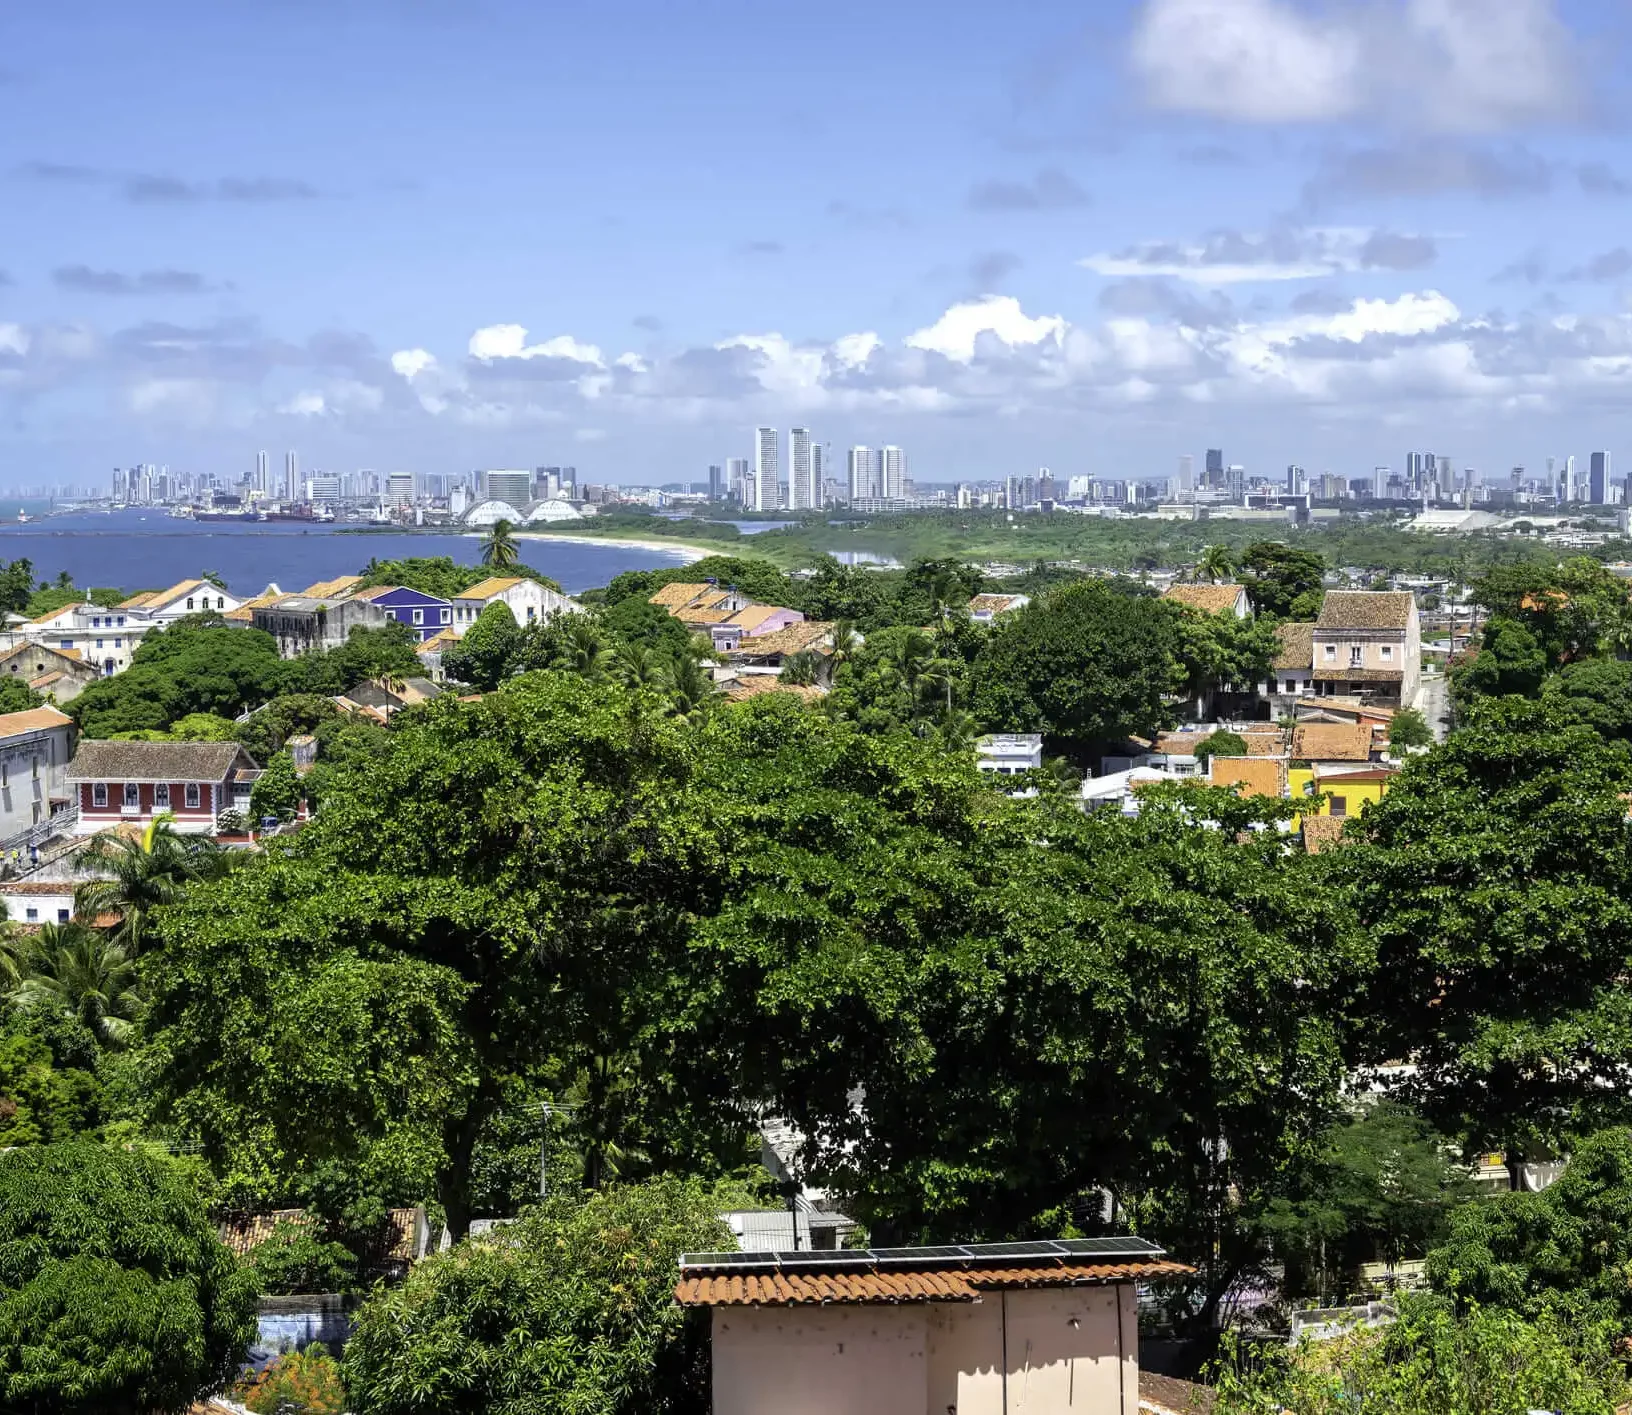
(130, 783)
(758, 619)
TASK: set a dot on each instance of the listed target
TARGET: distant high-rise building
(737, 477)
(1571, 492)
(1598, 479)
(1296, 480)
(767, 470)
(863, 482)
(1215, 466)
(399, 489)
(1235, 480)
(1187, 473)
(818, 475)
(716, 484)
(291, 475)
(892, 472)
(800, 496)
(259, 484)
(322, 490)
(513, 488)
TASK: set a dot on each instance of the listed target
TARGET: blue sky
(415, 234)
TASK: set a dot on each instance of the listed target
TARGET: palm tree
(692, 688)
(583, 650)
(65, 581)
(73, 970)
(1216, 564)
(636, 666)
(905, 661)
(137, 876)
(499, 548)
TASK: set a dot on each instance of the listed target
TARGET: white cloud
(304, 405)
(1233, 257)
(853, 350)
(957, 332)
(410, 363)
(13, 339)
(589, 434)
(1447, 65)
(509, 341)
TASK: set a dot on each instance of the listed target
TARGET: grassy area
(1132, 545)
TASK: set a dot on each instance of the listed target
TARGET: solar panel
(826, 1258)
(1110, 1248)
(950, 1253)
(1035, 1249)
(728, 1260)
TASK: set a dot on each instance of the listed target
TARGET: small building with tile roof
(1211, 599)
(423, 615)
(1250, 776)
(104, 638)
(984, 608)
(1317, 742)
(919, 1331)
(302, 625)
(184, 598)
(133, 783)
(529, 601)
(59, 674)
(35, 748)
(1367, 646)
(1292, 670)
(771, 650)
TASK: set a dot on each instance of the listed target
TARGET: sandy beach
(687, 553)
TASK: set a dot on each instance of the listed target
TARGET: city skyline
(1309, 233)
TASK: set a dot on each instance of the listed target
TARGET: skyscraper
(818, 475)
(1598, 479)
(736, 479)
(1215, 466)
(716, 484)
(767, 470)
(860, 473)
(291, 476)
(259, 484)
(1297, 480)
(1571, 492)
(892, 472)
(513, 488)
(1187, 473)
(799, 498)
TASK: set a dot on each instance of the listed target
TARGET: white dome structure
(490, 513)
(543, 512)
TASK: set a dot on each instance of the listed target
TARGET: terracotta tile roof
(1358, 711)
(490, 587)
(160, 598)
(45, 680)
(796, 638)
(995, 603)
(138, 601)
(1209, 599)
(761, 683)
(373, 592)
(1256, 776)
(77, 655)
(1365, 609)
(1359, 675)
(1297, 648)
(1322, 832)
(245, 613)
(60, 610)
(156, 761)
(950, 1284)
(1164, 1395)
(690, 614)
(1271, 742)
(14, 724)
(394, 1243)
(672, 596)
(1336, 776)
(1332, 741)
(439, 641)
(756, 614)
(33, 887)
(336, 588)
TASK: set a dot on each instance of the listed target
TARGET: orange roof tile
(488, 588)
(1256, 776)
(761, 683)
(137, 601)
(1209, 599)
(994, 603)
(1332, 741)
(755, 615)
(796, 638)
(48, 617)
(949, 1284)
(1322, 832)
(331, 589)
(672, 596)
(33, 720)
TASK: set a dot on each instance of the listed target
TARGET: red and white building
(131, 783)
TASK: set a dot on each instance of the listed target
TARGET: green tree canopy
(1084, 665)
(1283, 581)
(276, 792)
(571, 1308)
(1496, 882)
(1222, 743)
(1409, 728)
(116, 1297)
(487, 654)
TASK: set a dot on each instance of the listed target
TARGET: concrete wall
(1041, 1351)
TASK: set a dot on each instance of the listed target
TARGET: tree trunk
(459, 1144)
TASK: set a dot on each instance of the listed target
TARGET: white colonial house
(180, 600)
(529, 601)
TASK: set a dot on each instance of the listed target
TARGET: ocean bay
(146, 549)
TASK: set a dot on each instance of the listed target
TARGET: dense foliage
(116, 1297)
(569, 1308)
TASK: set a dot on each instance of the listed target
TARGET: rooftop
(155, 761)
(14, 724)
(950, 1273)
(1332, 741)
(672, 596)
(1366, 609)
(1256, 776)
(1209, 599)
(1297, 648)
(740, 690)
(330, 589)
(997, 603)
(796, 638)
(488, 588)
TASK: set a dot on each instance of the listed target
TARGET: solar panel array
(1082, 1249)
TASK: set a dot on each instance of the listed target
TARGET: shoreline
(689, 553)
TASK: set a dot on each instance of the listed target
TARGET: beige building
(1368, 645)
(994, 1329)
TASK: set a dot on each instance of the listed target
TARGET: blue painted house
(425, 614)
